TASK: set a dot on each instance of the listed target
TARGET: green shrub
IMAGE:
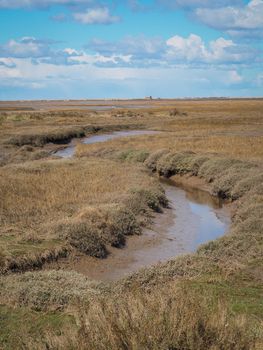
(165, 166)
(229, 179)
(56, 136)
(45, 290)
(195, 162)
(214, 167)
(151, 161)
(175, 163)
(153, 199)
(247, 184)
(124, 222)
(85, 238)
(133, 155)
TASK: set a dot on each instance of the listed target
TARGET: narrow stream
(70, 150)
(193, 218)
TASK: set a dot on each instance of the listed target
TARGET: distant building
(148, 98)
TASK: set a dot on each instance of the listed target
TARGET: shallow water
(69, 151)
(194, 217)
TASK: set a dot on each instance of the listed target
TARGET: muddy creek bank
(193, 218)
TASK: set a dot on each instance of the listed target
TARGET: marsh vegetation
(53, 208)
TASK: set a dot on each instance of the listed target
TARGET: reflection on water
(200, 217)
(195, 194)
(210, 226)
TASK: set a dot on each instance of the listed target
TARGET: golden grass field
(43, 201)
(52, 208)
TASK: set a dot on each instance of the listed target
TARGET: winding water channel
(193, 218)
(70, 150)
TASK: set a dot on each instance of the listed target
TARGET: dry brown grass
(170, 317)
(209, 300)
(232, 127)
(20, 130)
(45, 204)
(233, 146)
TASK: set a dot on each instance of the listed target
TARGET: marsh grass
(208, 300)
(233, 129)
(24, 135)
(47, 290)
(86, 204)
(242, 147)
(174, 317)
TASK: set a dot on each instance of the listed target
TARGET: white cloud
(247, 17)
(100, 59)
(134, 51)
(100, 15)
(234, 17)
(220, 51)
(189, 49)
(71, 52)
(25, 47)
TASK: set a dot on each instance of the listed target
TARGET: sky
(83, 49)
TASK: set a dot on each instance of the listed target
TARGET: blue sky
(51, 49)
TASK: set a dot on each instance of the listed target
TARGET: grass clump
(215, 166)
(133, 156)
(46, 290)
(168, 164)
(155, 200)
(226, 180)
(151, 161)
(56, 136)
(96, 227)
(85, 239)
(247, 184)
(175, 163)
